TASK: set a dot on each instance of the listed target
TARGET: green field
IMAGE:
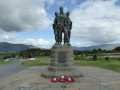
(113, 65)
(41, 57)
(2, 63)
(34, 63)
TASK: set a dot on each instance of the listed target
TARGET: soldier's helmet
(61, 8)
(56, 14)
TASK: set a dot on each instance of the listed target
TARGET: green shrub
(79, 58)
(118, 59)
(94, 57)
(81, 55)
(107, 59)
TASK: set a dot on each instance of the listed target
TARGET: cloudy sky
(30, 21)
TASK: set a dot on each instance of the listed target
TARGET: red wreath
(72, 80)
(62, 80)
(52, 80)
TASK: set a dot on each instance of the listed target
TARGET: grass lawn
(40, 57)
(34, 63)
(113, 65)
(2, 63)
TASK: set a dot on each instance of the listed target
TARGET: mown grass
(2, 63)
(113, 64)
(41, 57)
(34, 63)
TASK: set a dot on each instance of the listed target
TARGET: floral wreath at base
(62, 80)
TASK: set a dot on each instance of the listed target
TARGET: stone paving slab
(90, 88)
(30, 79)
(53, 88)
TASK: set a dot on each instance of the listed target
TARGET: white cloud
(51, 2)
(65, 9)
(10, 38)
(20, 15)
(39, 42)
(85, 44)
(78, 44)
(96, 21)
(6, 36)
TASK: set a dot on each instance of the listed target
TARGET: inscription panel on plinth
(61, 57)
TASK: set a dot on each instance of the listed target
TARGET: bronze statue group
(62, 23)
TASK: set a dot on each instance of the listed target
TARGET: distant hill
(103, 46)
(117, 48)
(8, 47)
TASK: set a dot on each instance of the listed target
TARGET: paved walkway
(30, 79)
(10, 68)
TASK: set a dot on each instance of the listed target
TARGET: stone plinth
(62, 63)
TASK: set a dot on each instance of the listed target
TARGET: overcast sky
(30, 21)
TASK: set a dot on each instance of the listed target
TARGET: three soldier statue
(62, 23)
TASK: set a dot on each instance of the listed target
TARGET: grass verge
(34, 63)
(2, 63)
(112, 65)
(40, 57)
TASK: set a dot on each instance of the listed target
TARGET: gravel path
(29, 79)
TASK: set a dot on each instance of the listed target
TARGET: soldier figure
(61, 26)
(55, 27)
(62, 23)
(69, 26)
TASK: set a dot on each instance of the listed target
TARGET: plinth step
(51, 74)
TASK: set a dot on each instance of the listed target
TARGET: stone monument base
(51, 74)
(62, 63)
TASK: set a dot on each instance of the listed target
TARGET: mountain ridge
(6, 47)
(102, 46)
(10, 48)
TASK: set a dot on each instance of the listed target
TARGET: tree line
(29, 53)
(34, 53)
(96, 51)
